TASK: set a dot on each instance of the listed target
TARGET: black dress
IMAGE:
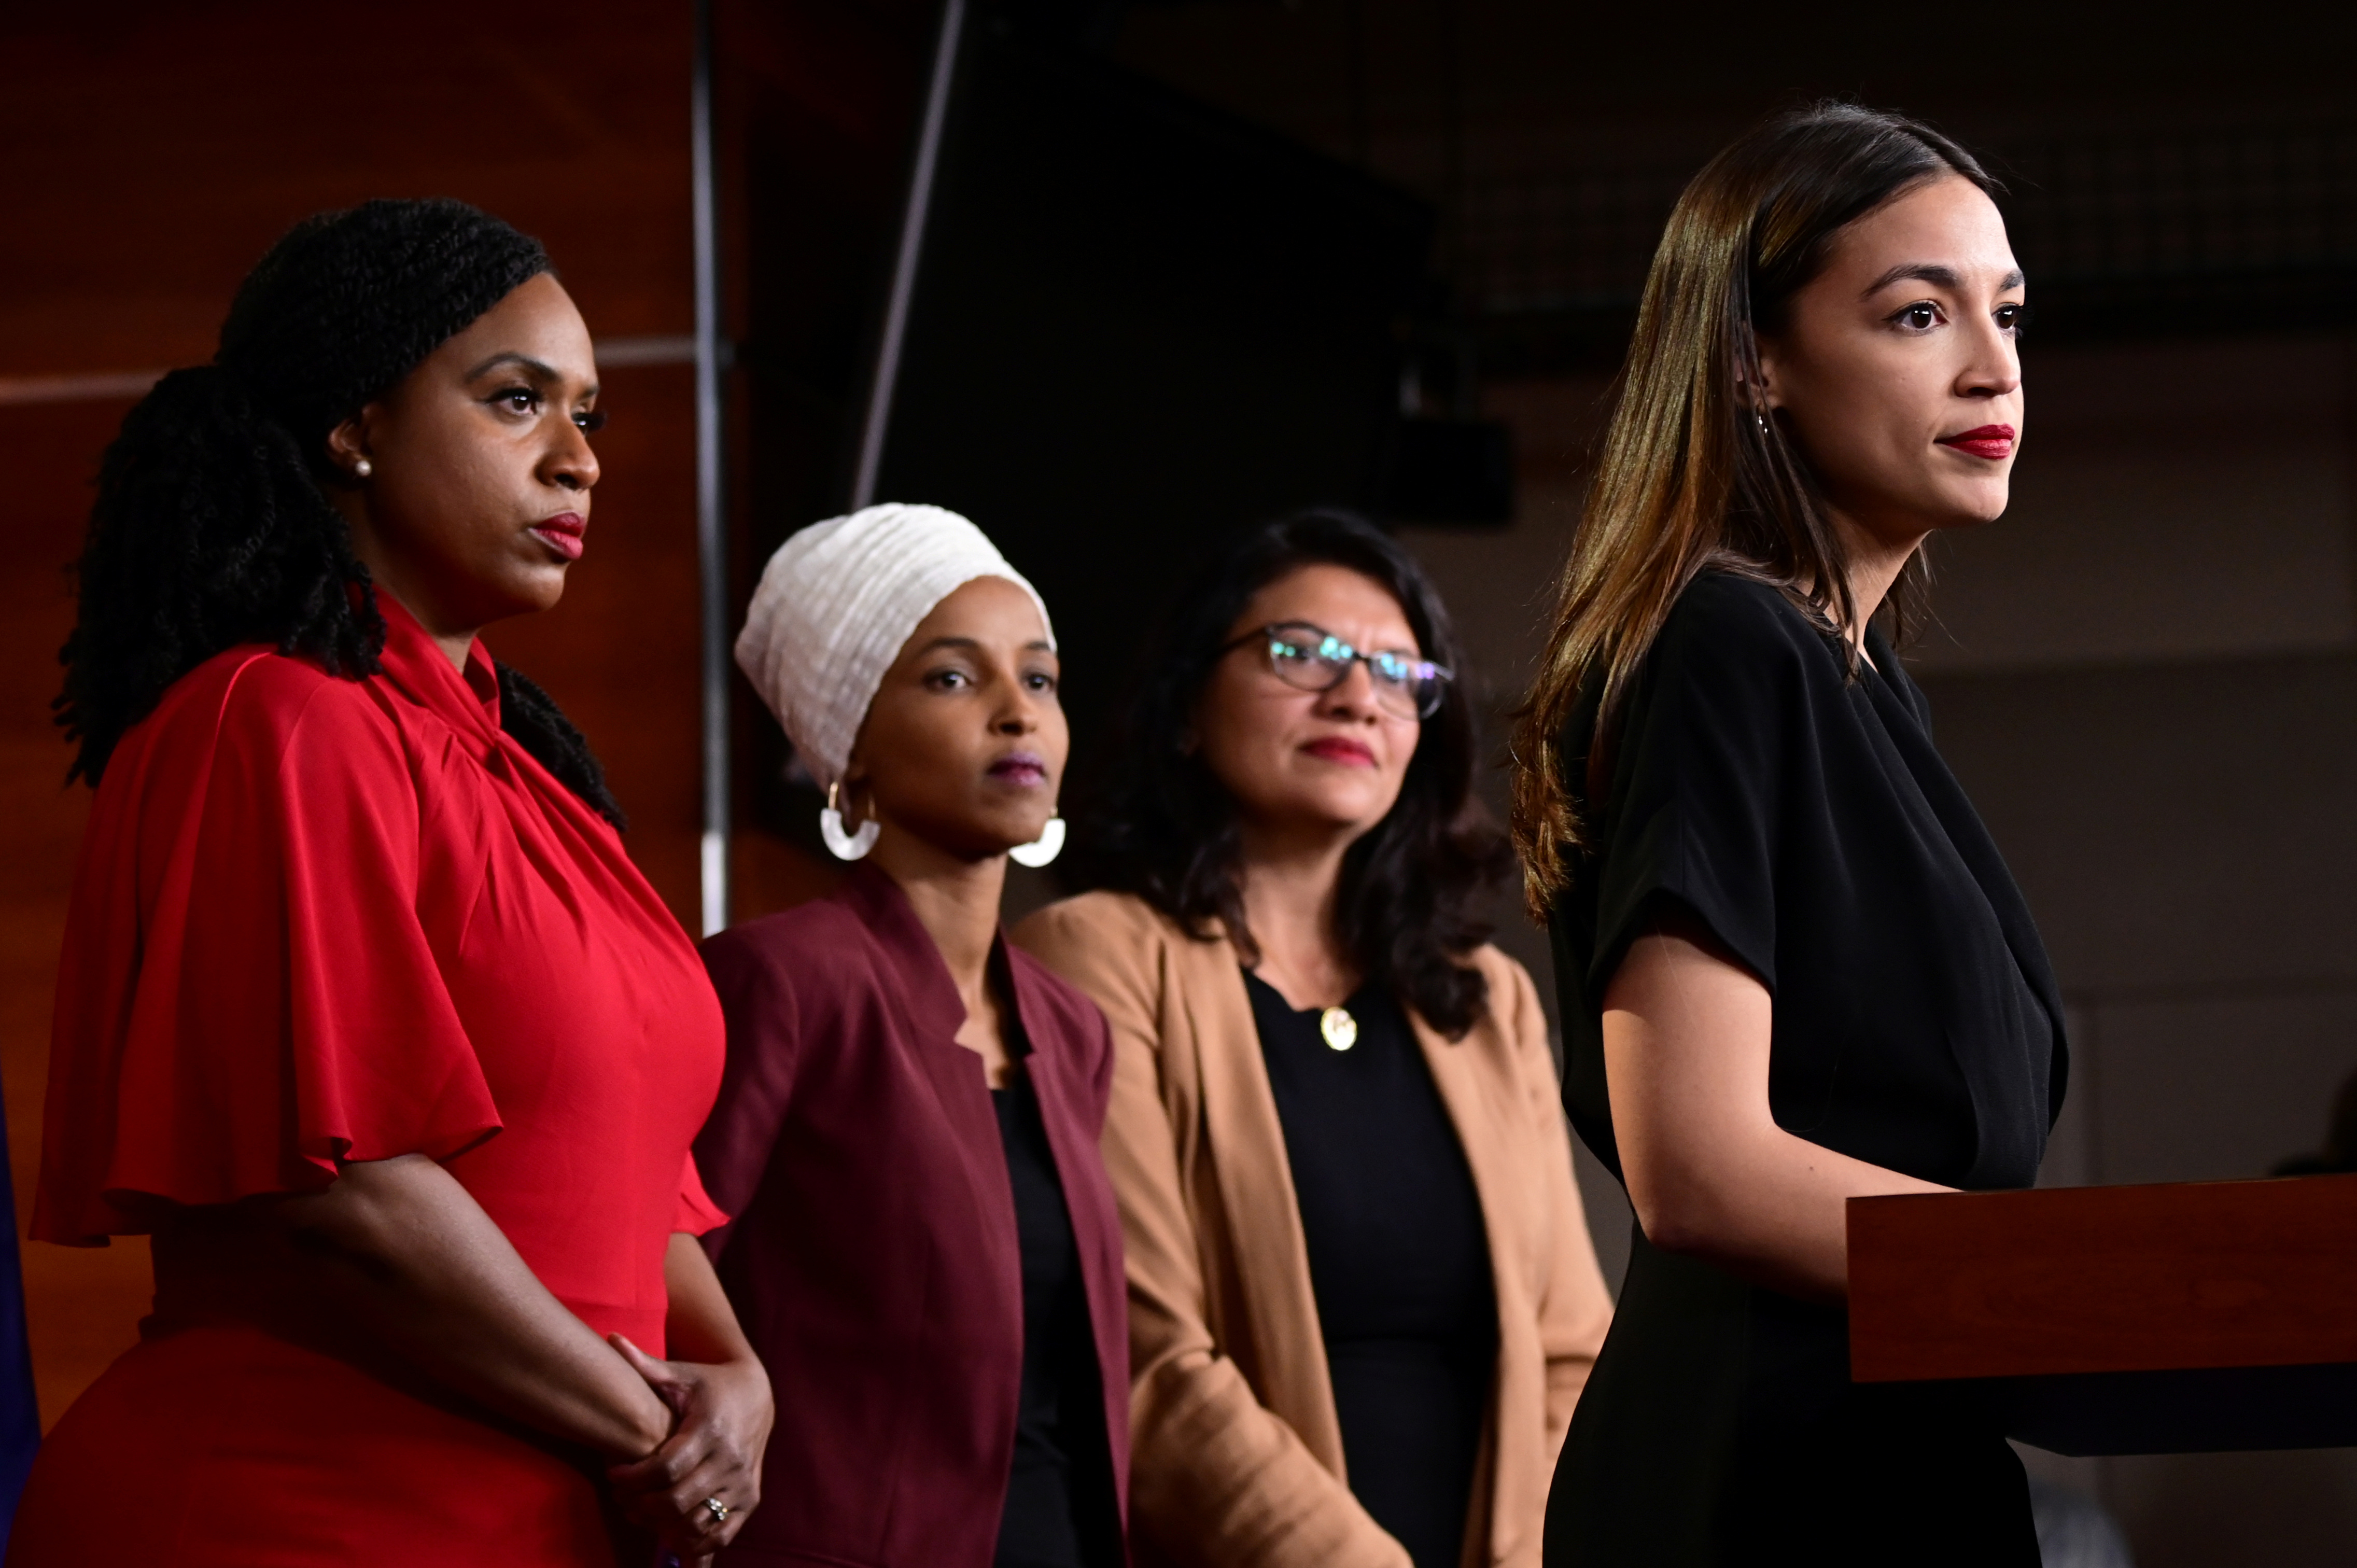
(1399, 1261)
(1059, 1511)
(1807, 821)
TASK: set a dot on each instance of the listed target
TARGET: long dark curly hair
(212, 527)
(1163, 828)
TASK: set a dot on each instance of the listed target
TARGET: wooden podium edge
(2068, 1281)
(2171, 1319)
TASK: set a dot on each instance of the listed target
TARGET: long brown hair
(1693, 474)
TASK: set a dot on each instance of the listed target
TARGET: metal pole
(711, 536)
(912, 246)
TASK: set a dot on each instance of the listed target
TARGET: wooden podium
(2179, 1318)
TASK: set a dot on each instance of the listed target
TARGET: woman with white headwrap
(926, 1253)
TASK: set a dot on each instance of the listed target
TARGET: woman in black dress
(1793, 968)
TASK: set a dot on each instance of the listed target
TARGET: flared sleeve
(248, 993)
(1698, 785)
(697, 1214)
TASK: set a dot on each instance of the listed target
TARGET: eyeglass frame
(1438, 677)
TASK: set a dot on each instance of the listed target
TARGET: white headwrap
(834, 607)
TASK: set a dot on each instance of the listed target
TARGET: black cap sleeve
(1699, 776)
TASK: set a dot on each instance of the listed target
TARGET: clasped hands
(720, 1423)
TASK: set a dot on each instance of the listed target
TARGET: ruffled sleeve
(248, 995)
(696, 1213)
(1698, 777)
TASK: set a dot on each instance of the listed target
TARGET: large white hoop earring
(841, 844)
(1042, 849)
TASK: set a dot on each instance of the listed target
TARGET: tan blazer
(1236, 1454)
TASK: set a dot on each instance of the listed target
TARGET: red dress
(319, 919)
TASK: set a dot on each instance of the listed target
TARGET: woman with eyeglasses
(1362, 1295)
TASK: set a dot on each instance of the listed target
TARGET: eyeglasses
(1311, 659)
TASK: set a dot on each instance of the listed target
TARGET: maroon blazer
(873, 1258)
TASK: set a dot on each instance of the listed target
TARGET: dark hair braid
(210, 528)
(253, 554)
(540, 727)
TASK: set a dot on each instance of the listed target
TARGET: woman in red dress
(364, 1014)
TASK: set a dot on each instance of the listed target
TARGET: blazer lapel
(1475, 1110)
(1053, 1066)
(931, 1014)
(1270, 1254)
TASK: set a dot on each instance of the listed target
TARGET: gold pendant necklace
(1342, 1030)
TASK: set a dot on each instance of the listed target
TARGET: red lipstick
(1341, 749)
(1994, 441)
(562, 533)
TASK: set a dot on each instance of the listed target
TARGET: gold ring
(718, 1509)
